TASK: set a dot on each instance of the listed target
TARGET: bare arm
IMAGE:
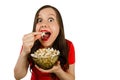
(69, 75)
(22, 64)
(21, 67)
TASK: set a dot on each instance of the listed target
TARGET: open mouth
(45, 35)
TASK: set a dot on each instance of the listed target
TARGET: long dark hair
(60, 42)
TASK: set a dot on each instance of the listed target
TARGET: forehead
(47, 11)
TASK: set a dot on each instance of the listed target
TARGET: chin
(46, 45)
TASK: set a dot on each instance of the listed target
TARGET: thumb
(57, 63)
(38, 35)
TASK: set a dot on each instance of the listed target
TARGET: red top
(37, 75)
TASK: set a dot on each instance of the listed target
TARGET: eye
(39, 20)
(50, 19)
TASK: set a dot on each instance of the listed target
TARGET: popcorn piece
(43, 33)
(49, 52)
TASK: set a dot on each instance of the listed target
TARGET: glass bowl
(45, 58)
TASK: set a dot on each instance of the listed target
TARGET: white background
(92, 25)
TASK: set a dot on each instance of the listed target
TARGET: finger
(34, 36)
(28, 39)
(42, 70)
(57, 63)
(37, 35)
(27, 45)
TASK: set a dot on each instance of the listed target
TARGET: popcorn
(45, 58)
(43, 33)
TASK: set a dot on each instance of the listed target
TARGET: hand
(28, 41)
(54, 69)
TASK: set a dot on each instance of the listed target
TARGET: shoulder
(69, 42)
(70, 45)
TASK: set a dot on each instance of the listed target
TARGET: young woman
(47, 19)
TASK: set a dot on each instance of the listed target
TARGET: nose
(43, 25)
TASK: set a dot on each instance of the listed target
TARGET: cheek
(56, 30)
(37, 28)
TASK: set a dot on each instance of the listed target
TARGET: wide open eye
(39, 20)
(50, 19)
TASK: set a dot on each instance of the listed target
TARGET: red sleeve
(71, 54)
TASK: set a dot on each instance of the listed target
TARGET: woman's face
(48, 24)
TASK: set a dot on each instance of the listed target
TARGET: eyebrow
(53, 15)
(49, 15)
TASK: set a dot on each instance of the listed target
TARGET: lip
(44, 31)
